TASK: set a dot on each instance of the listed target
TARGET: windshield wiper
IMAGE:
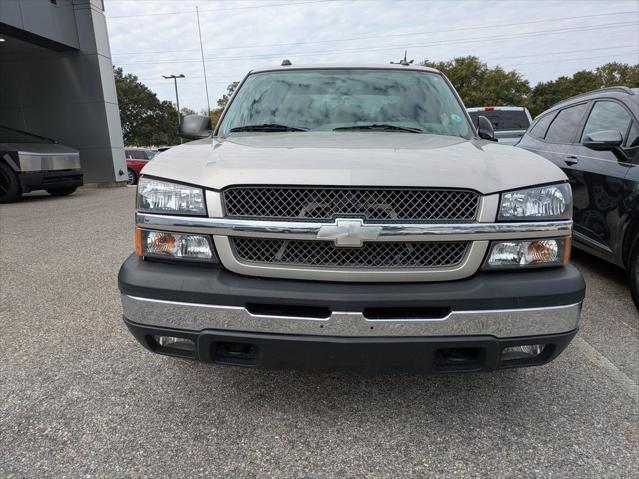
(379, 126)
(266, 127)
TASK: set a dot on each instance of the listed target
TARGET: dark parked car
(594, 138)
(136, 159)
(31, 162)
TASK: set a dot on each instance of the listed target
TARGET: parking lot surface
(79, 397)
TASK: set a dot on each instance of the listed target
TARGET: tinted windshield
(504, 119)
(322, 100)
(9, 135)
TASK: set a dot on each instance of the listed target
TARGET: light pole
(177, 98)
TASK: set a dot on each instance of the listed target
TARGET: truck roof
(630, 94)
(346, 66)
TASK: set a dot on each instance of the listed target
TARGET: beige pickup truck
(349, 216)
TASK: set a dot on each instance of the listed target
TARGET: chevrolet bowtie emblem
(348, 232)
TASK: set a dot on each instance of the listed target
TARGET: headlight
(157, 196)
(544, 202)
(164, 244)
(528, 253)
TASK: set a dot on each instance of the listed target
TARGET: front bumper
(379, 354)
(310, 324)
(43, 180)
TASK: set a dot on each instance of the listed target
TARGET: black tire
(633, 272)
(132, 178)
(62, 191)
(10, 189)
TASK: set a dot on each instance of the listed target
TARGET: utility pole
(206, 83)
(177, 98)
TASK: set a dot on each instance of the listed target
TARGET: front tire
(633, 272)
(10, 189)
(62, 191)
(132, 178)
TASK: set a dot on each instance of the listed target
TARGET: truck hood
(353, 158)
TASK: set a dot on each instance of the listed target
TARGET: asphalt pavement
(80, 397)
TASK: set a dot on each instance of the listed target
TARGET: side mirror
(603, 140)
(607, 140)
(195, 127)
(485, 129)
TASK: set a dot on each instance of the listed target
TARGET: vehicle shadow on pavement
(344, 392)
(39, 196)
(598, 266)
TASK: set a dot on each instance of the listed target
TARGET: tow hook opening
(457, 358)
(235, 353)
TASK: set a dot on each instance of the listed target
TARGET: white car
(350, 216)
(509, 122)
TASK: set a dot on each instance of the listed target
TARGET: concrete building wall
(56, 80)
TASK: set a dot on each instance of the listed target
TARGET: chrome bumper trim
(302, 230)
(502, 323)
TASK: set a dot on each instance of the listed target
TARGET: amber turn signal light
(138, 241)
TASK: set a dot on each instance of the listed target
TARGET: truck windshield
(398, 101)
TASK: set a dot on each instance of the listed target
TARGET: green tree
(479, 85)
(221, 103)
(546, 94)
(224, 99)
(184, 111)
(146, 120)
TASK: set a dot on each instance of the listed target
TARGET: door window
(633, 137)
(607, 115)
(137, 154)
(540, 128)
(564, 128)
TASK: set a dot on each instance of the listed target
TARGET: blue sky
(541, 39)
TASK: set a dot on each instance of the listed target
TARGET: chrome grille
(370, 255)
(372, 204)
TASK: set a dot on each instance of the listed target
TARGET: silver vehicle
(31, 162)
(351, 217)
(509, 122)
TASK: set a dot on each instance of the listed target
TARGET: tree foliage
(221, 102)
(146, 120)
(545, 94)
(479, 85)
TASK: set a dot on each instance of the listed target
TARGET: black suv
(594, 139)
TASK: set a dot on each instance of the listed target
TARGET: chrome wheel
(130, 177)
